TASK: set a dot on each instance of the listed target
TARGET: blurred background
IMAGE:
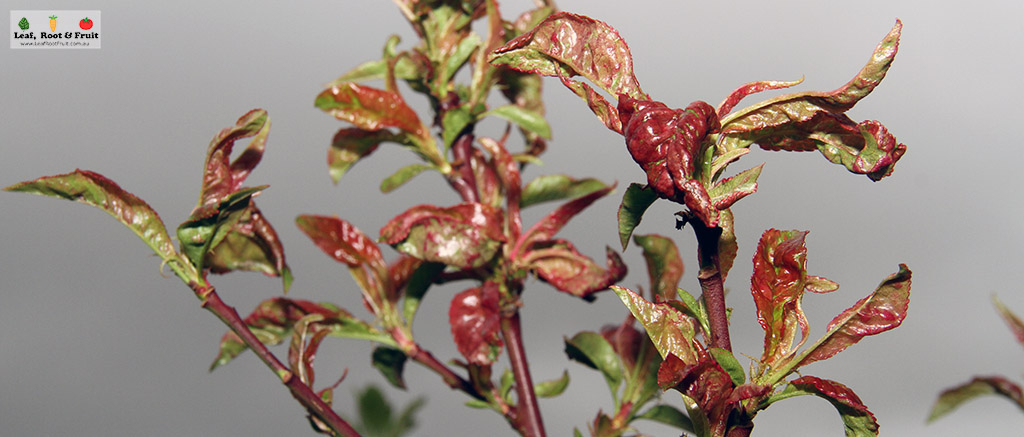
(94, 342)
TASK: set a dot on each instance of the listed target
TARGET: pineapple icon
(53, 23)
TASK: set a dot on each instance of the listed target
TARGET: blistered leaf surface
(670, 330)
(465, 235)
(475, 318)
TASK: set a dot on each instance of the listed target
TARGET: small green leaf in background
(377, 418)
(635, 202)
(524, 118)
(952, 398)
(668, 415)
(550, 389)
(557, 187)
(594, 351)
(401, 176)
(391, 363)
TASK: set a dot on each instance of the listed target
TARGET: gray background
(93, 342)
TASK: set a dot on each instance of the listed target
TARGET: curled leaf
(558, 263)
(391, 363)
(555, 387)
(778, 284)
(221, 176)
(1011, 319)
(671, 331)
(859, 422)
(546, 228)
(952, 398)
(466, 235)
(475, 318)
(370, 108)
(94, 189)
(664, 266)
(251, 244)
(345, 243)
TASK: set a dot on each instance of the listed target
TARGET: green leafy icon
(23, 24)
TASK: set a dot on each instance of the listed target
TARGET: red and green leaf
(1011, 319)
(475, 318)
(467, 235)
(273, 319)
(558, 263)
(345, 243)
(778, 284)
(671, 331)
(371, 109)
(858, 421)
(882, 310)
(307, 335)
(352, 144)
(250, 245)
(950, 399)
(221, 176)
(545, 229)
(664, 266)
(817, 121)
(94, 189)
(566, 45)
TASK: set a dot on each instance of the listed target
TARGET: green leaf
(668, 415)
(505, 384)
(635, 202)
(210, 225)
(352, 144)
(594, 351)
(524, 118)
(378, 69)
(728, 248)
(952, 398)
(691, 306)
(670, 330)
(458, 58)
(729, 190)
(402, 176)
(454, 121)
(728, 362)
(94, 189)
(550, 389)
(391, 363)
(557, 187)
(664, 266)
(416, 287)
(250, 244)
(375, 412)
(478, 404)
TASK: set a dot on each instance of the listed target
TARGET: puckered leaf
(558, 263)
(858, 420)
(751, 88)
(1011, 319)
(729, 190)
(664, 266)
(953, 397)
(635, 202)
(371, 108)
(568, 45)
(557, 187)
(352, 144)
(475, 318)
(709, 391)
(221, 176)
(778, 285)
(545, 229)
(667, 144)
(816, 121)
(94, 189)
(594, 350)
(273, 319)
(882, 310)
(670, 330)
(465, 235)
(306, 338)
(253, 245)
(345, 243)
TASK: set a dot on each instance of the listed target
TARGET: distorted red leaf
(951, 398)
(667, 143)
(306, 338)
(545, 229)
(465, 235)
(221, 176)
(345, 243)
(511, 182)
(671, 331)
(251, 244)
(475, 318)
(352, 144)
(751, 88)
(370, 108)
(858, 420)
(558, 263)
(778, 285)
(882, 310)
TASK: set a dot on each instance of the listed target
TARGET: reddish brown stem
(464, 181)
(710, 277)
(301, 392)
(529, 422)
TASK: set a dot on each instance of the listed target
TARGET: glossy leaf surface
(221, 176)
(778, 284)
(370, 108)
(475, 318)
(950, 399)
(94, 189)
(345, 243)
(671, 331)
(465, 235)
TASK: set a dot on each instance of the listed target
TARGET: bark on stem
(710, 277)
(528, 419)
(301, 392)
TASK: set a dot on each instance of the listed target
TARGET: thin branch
(710, 277)
(303, 393)
(529, 420)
